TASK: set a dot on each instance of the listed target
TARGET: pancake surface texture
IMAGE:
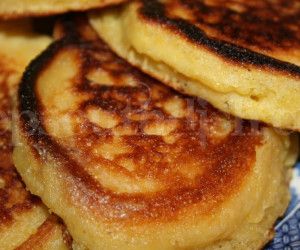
(24, 221)
(129, 163)
(241, 56)
(11, 9)
(19, 44)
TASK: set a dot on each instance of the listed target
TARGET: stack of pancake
(149, 124)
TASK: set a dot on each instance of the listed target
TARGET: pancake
(12, 9)
(24, 221)
(241, 56)
(19, 43)
(129, 163)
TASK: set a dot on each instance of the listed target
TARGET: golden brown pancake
(241, 56)
(24, 221)
(12, 9)
(51, 234)
(129, 163)
(19, 43)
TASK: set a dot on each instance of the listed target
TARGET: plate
(288, 229)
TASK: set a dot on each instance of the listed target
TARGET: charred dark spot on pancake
(14, 199)
(65, 27)
(270, 27)
(44, 25)
(136, 100)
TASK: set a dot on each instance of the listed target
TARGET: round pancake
(24, 221)
(12, 9)
(241, 56)
(128, 163)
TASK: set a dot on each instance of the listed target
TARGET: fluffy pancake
(241, 56)
(24, 221)
(11, 9)
(128, 163)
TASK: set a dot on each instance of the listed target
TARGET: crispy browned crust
(246, 35)
(14, 199)
(226, 162)
(18, 14)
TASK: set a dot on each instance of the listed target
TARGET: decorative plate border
(288, 229)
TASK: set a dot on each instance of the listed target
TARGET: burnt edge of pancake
(163, 205)
(154, 11)
(13, 182)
